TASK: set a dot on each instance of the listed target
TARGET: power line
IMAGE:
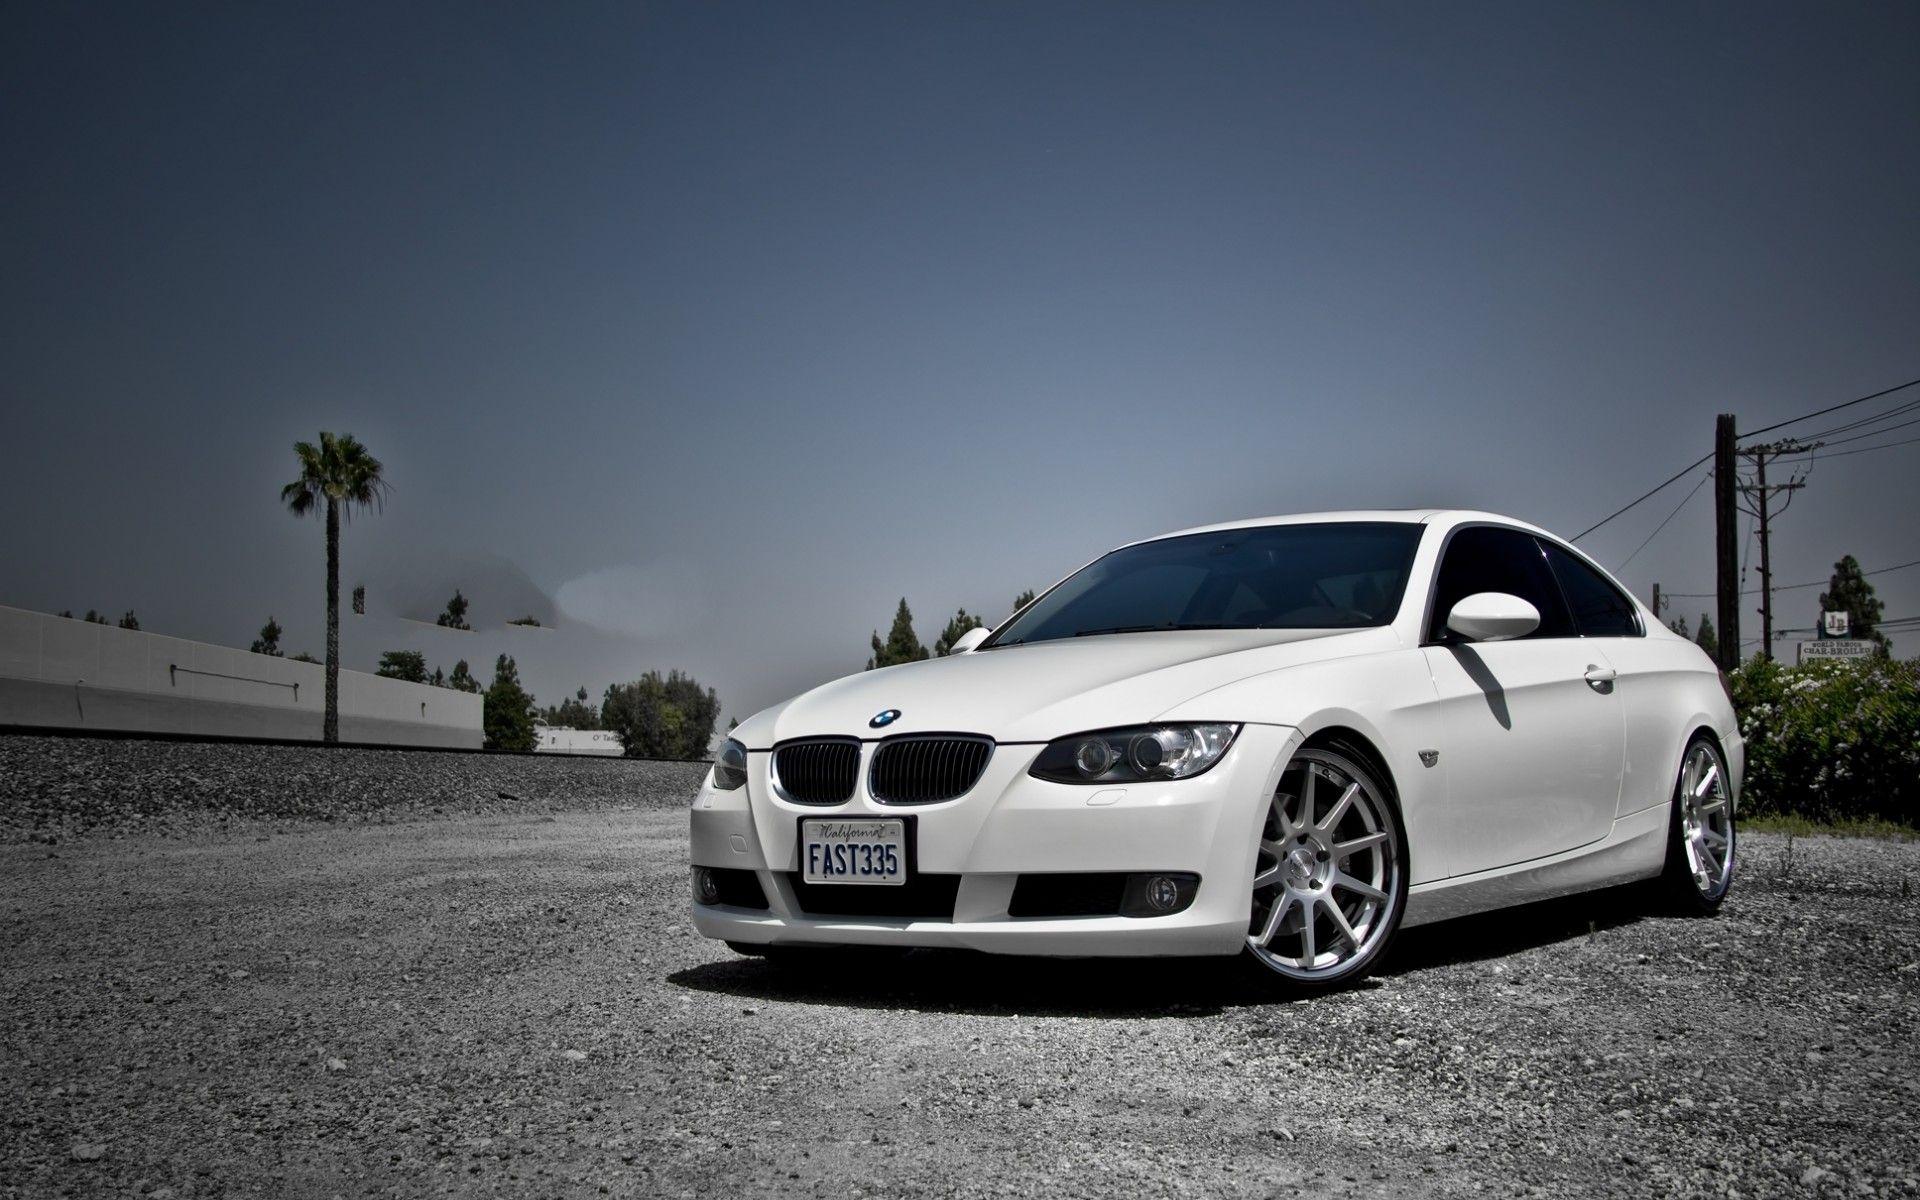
(1895, 623)
(1647, 496)
(1793, 586)
(1832, 408)
(1662, 525)
(1881, 446)
(1861, 437)
(1681, 474)
(1897, 410)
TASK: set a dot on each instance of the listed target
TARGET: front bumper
(1010, 824)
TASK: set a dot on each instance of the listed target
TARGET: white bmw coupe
(1284, 738)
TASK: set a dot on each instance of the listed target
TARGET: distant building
(559, 739)
(61, 673)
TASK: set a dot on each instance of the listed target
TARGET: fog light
(706, 888)
(1158, 893)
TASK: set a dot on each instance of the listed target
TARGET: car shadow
(1508, 931)
(973, 983)
(977, 984)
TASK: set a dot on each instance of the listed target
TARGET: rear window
(1599, 608)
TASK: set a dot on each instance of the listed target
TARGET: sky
(705, 333)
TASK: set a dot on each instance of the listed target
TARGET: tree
(573, 712)
(1848, 591)
(462, 679)
(529, 620)
(507, 709)
(67, 613)
(336, 476)
(439, 678)
(359, 599)
(410, 665)
(1706, 640)
(961, 622)
(1679, 626)
(94, 618)
(456, 615)
(129, 621)
(902, 644)
(303, 656)
(661, 718)
(269, 640)
(1022, 600)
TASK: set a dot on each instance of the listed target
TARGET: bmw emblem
(884, 719)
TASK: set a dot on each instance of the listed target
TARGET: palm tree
(340, 472)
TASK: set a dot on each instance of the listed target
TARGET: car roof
(1409, 516)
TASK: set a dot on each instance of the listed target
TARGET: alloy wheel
(1706, 820)
(1327, 878)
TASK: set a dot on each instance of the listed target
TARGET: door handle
(1598, 675)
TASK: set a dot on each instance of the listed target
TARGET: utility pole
(1656, 600)
(1726, 558)
(1760, 494)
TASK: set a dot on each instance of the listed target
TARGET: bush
(661, 718)
(1833, 740)
(408, 665)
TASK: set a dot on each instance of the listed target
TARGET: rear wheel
(1700, 834)
(1330, 880)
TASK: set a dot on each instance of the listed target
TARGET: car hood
(1045, 690)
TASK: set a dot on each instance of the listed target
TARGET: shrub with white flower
(1834, 739)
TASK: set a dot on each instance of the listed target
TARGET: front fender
(1387, 698)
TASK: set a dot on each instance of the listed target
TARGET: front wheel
(1330, 877)
(1699, 868)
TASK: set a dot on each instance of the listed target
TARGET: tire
(1332, 923)
(1700, 832)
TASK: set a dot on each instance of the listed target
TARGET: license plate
(869, 852)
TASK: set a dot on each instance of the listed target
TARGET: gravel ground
(517, 1004)
(57, 788)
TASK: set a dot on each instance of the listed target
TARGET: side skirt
(1634, 849)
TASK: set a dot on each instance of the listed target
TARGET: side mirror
(971, 638)
(1493, 617)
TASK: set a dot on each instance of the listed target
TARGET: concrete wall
(559, 739)
(57, 671)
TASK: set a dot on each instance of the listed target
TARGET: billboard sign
(1835, 648)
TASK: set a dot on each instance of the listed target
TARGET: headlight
(1134, 755)
(730, 766)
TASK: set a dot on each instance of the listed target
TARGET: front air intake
(817, 772)
(926, 769)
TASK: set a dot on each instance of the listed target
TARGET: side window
(1599, 610)
(1486, 558)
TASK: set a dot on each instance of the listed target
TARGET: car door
(1611, 623)
(1534, 736)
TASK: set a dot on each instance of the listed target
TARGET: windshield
(1339, 575)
